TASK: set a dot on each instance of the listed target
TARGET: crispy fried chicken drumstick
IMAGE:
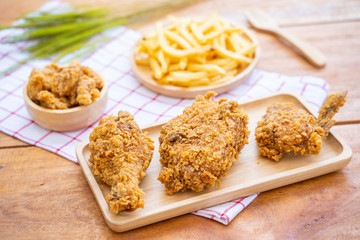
(199, 146)
(120, 154)
(286, 128)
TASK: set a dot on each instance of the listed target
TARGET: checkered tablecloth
(126, 93)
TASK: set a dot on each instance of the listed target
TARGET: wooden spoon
(263, 22)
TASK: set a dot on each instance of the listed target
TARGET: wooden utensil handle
(345, 122)
(313, 55)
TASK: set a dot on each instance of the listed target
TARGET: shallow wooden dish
(67, 119)
(143, 74)
(250, 174)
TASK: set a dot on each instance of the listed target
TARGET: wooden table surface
(44, 196)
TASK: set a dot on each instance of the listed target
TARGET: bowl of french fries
(188, 57)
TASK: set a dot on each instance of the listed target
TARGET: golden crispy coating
(37, 83)
(91, 74)
(120, 154)
(200, 145)
(57, 87)
(49, 71)
(286, 128)
(66, 79)
(86, 90)
(48, 100)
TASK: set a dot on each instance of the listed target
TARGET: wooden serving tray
(250, 174)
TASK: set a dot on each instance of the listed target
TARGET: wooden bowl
(143, 74)
(67, 119)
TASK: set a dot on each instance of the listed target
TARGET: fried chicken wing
(199, 146)
(286, 128)
(120, 154)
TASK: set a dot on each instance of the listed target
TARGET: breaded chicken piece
(286, 128)
(61, 87)
(37, 82)
(86, 90)
(199, 146)
(48, 100)
(91, 74)
(66, 79)
(120, 154)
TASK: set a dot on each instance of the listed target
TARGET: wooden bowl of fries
(190, 57)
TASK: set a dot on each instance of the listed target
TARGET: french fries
(191, 52)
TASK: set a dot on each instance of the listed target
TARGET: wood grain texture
(289, 13)
(6, 141)
(44, 196)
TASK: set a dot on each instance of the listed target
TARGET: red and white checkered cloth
(126, 93)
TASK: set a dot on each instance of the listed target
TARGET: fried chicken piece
(66, 79)
(71, 99)
(49, 72)
(48, 100)
(58, 87)
(120, 154)
(91, 74)
(199, 146)
(286, 128)
(37, 83)
(86, 91)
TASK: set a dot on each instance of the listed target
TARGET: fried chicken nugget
(86, 91)
(286, 128)
(66, 79)
(199, 146)
(62, 87)
(48, 100)
(120, 154)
